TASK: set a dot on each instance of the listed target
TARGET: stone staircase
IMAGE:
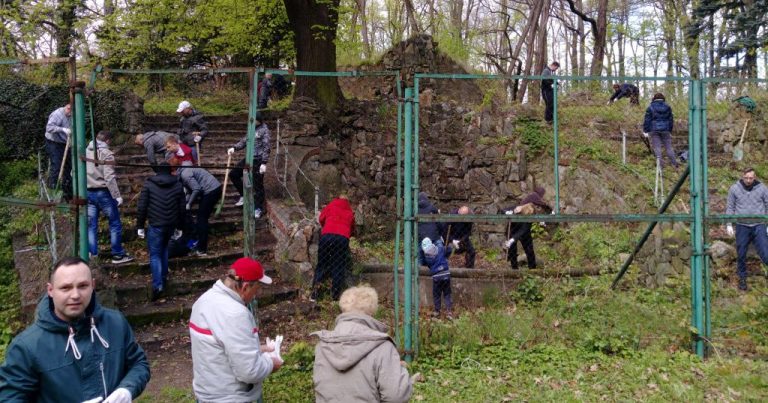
(128, 286)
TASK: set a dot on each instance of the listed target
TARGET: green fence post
(81, 195)
(415, 298)
(249, 223)
(408, 235)
(705, 192)
(557, 147)
(399, 201)
(697, 209)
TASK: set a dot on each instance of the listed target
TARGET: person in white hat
(193, 128)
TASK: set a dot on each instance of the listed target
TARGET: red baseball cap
(250, 270)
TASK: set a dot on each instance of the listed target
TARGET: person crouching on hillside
(436, 258)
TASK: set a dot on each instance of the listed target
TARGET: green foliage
(225, 102)
(528, 291)
(533, 135)
(300, 357)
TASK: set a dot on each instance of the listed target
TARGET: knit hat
(247, 269)
(429, 249)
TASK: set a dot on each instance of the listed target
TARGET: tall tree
(314, 24)
(599, 30)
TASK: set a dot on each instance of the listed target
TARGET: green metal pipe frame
(398, 209)
(556, 147)
(415, 287)
(249, 223)
(80, 170)
(408, 247)
(651, 226)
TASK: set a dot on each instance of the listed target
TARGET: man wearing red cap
(227, 360)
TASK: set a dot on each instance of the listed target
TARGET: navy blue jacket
(40, 367)
(625, 90)
(431, 230)
(658, 117)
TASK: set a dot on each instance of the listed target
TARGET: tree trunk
(314, 26)
(63, 35)
(367, 52)
(528, 36)
(600, 37)
(541, 49)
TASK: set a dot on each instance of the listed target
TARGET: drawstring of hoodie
(96, 332)
(71, 342)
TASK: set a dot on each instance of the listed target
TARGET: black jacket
(162, 201)
(431, 230)
(192, 123)
(459, 230)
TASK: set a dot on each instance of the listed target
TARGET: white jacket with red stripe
(227, 362)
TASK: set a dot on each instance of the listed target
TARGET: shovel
(199, 157)
(738, 151)
(224, 189)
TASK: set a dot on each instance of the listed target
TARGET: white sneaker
(257, 213)
(240, 202)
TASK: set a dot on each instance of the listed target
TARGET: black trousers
(466, 247)
(549, 100)
(236, 175)
(56, 155)
(441, 288)
(333, 260)
(204, 210)
(526, 240)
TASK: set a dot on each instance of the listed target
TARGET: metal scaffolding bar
(408, 246)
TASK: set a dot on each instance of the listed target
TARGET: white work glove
(509, 243)
(119, 201)
(543, 223)
(645, 134)
(609, 102)
(456, 243)
(140, 233)
(67, 130)
(180, 152)
(189, 206)
(120, 395)
(729, 230)
(177, 234)
(509, 212)
(275, 346)
(95, 400)
(262, 168)
(230, 150)
(197, 138)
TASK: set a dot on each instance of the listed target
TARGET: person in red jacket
(333, 257)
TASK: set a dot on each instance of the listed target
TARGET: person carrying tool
(521, 231)
(748, 196)
(260, 158)
(193, 128)
(625, 90)
(57, 135)
(658, 124)
(198, 182)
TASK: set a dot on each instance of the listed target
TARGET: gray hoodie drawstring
(96, 331)
(71, 342)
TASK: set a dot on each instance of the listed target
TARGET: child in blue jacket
(436, 258)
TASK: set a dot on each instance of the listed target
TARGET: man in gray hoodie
(57, 132)
(153, 143)
(104, 196)
(259, 166)
(199, 183)
(357, 361)
(748, 196)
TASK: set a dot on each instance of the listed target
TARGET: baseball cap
(248, 269)
(183, 105)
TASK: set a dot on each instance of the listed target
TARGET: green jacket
(42, 365)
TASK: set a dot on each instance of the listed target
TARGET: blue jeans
(744, 236)
(157, 242)
(101, 201)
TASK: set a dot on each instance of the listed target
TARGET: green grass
(217, 103)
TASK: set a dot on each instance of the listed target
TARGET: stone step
(263, 250)
(178, 308)
(136, 288)
(270, 316)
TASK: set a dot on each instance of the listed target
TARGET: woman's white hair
(362, 299)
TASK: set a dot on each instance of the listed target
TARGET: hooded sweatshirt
(190, 124)
(45, 364)
(101, 176)
(358, 362)
(260, 145)
(162, 201)
(431, 230)
(658, 117)
(154, 143)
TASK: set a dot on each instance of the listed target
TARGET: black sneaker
(743, 284)
(157, 294)
(122, 259)
(197, 253)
